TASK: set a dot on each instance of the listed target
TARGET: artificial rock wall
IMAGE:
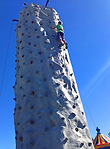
(48, 109)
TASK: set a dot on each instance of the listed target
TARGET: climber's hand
(52, 27)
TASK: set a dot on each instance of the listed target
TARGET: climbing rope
(89, 113)
(5, 60)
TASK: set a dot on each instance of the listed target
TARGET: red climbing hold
(21, 76)
(21, 139)
(20, 41)
(39, 52)
(22, 34)
(33, 93)
(31, 62)
(22, 55)
(14, 99)
(29, 43)
(35, 29)
(32, 22)
(32, 122)
(27, 14)
(19, 26)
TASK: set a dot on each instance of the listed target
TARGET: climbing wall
(48, 110)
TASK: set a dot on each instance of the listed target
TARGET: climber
(60, 34)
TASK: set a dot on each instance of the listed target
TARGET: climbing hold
(76, 129)
(20, 41)
(27, 14)
(50, 113)
(15, 138)
(14, 109)
(66, 85)
(22, 55)
(33, 93)
(71, 74)
(73, 114)
(16, 132)
(81, 144)
(26, 21)
(29, 43)
(28, 81)
(49, 56)
(13, 87)
(31, 62)
(82, 113)
(66, 139)
(14, 99)
(57, 84)
(39, 52)
(24, 95)
(32, 107)
(45, 80)
(35, 45)
(60, 106)
(30, 52)
(21, 76)
(21, 139)
(26, 28)
(89, 144)
(46, 95)
(63, 65)
(32, 122)
(74, 106)
(32, 143)
(19, 108)
(41, 61)
(46, 129)
(19, 26)
(37, 72)
(35, 29)
(15, 60)
(32, 22)
(51, 64)
(62, 118)
(29, 36)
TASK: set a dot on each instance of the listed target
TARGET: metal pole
(46, 3)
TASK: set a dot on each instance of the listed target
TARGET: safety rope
(89, 113)
(5, 60)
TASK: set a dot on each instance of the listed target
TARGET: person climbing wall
(60, 34)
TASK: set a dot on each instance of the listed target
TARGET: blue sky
(87, 31)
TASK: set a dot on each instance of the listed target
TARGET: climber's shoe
(61, 45)
(66, 45)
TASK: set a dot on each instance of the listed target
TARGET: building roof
(101, 141)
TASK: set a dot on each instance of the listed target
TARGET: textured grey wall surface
(48, 108)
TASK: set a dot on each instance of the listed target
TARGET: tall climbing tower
(48, 109)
